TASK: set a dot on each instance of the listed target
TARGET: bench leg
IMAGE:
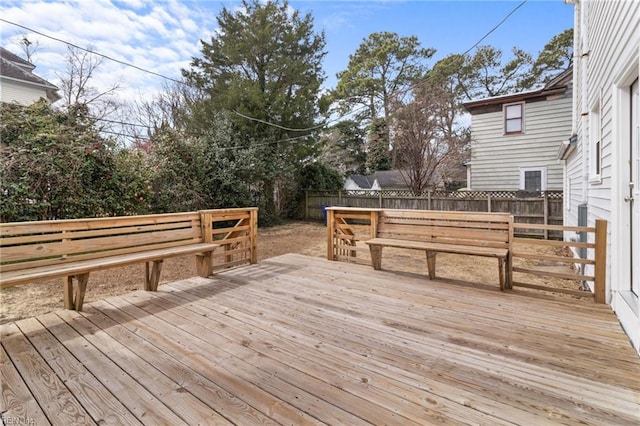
(431, 264)
(376, 256)
(204, 264)
(152, 275)
(501, 273)
(74, 300)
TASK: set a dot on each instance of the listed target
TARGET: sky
(163, 35)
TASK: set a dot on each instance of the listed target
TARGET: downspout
(576, 64)
(584, 93)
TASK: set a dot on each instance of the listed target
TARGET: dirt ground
(296, 237)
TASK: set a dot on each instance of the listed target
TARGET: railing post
(330, 234)
(600, 273)
(205, 226)
(253, 234)
(373, 224)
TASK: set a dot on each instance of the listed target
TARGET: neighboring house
(514, 138)
(388, 180)
(18, 83)
(357, 183)
(602, 158)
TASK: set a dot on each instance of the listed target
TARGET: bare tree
(426, 135)
(172, 108)
(29, 48)
(78, 93)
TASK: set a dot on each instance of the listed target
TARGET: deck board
(300, 340)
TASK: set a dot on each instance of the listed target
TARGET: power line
(277, 125)
(499, 24)
(495, 27)
(95, 53)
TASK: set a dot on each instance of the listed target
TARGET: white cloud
(161, 36)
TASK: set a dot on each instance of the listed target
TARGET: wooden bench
(35, 251)
(476, 234)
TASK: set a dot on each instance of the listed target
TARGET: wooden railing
(236, 230)
(590, 268)
(349, 227)
(346, 227)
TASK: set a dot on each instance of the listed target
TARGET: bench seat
(376, 245)
(73, 248)
(79, 267)
(440, 247)
(469, 233)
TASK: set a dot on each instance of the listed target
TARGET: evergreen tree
(263, 67)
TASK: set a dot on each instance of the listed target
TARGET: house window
(595, 143)
(514, 118)
(533, 178)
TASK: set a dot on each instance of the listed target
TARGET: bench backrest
(463, 228)
(32, 244)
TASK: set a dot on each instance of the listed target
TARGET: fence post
(429, 200)
(339, 197)
(379, 198)
(488, 201)
(306, 204)
(600, 273)
(546, 214)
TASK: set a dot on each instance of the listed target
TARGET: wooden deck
(299, 340)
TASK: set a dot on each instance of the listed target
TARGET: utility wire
(277, 125)
(95, 53)
(499, 24)
(496, 27)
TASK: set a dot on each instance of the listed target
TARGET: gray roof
(17, 60)
(362, 181)
(391, 179)
(16, 68)
(387, 179)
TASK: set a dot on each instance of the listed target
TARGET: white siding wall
(496, 158)
(611, 37)
(12, 92)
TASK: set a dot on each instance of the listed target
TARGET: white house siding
(609, 33)
(496, 158)
(12, 92)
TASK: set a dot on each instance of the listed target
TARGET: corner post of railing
(205, 226)
(253, 234)
(330, 234)
(509, 266)
(373, 226)
(600, 273)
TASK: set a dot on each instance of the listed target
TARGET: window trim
(505, 120)
(543, 176)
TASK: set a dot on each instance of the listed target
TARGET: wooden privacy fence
(526, 207)
(348, 228)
